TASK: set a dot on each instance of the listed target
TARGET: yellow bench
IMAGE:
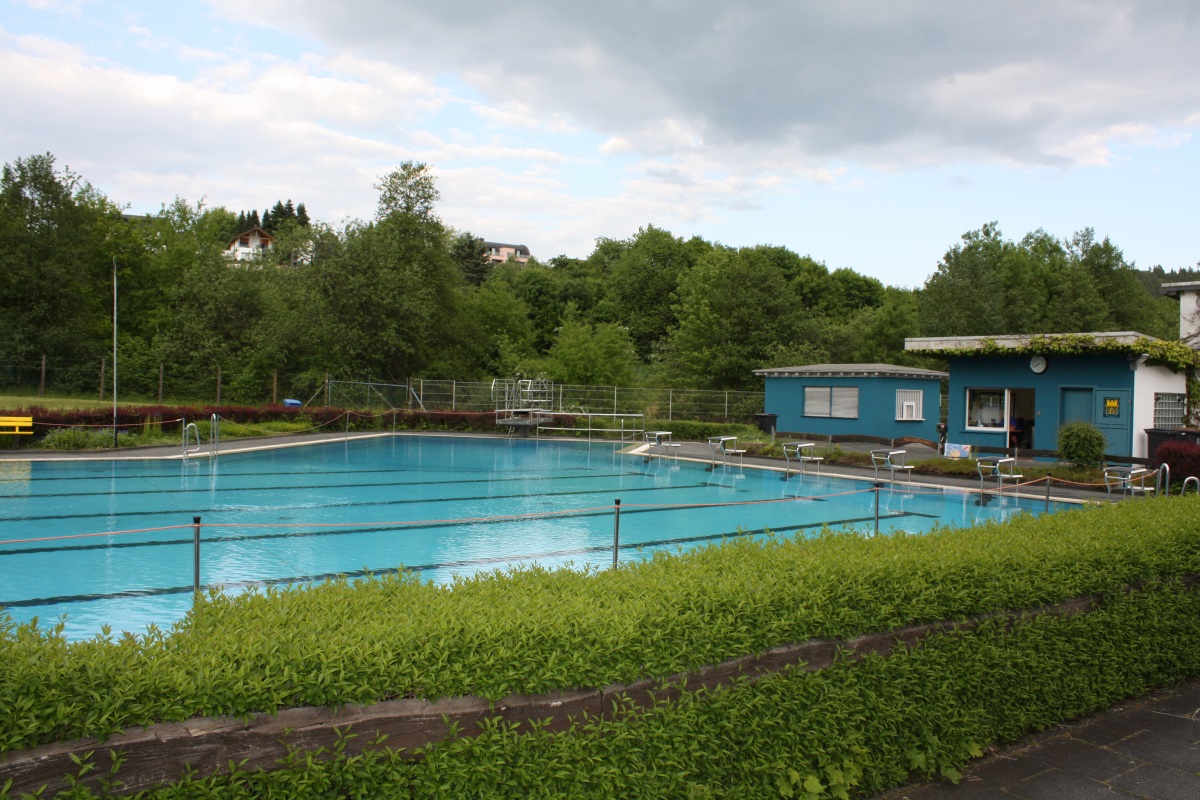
(16, 425)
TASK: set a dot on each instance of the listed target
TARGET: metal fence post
(1047, 493)
(196, 557)
(670, 403)
(616, 529)
(877, 508)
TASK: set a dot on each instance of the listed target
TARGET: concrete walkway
(1146, 748)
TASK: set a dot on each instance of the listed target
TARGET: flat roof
(852, 371)
(1176, 289)
(1016, 340)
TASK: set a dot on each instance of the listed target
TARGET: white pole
(114, 351)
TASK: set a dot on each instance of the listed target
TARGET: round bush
(1082, 444)
(1182, 457)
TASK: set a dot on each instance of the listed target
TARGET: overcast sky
(869, 135)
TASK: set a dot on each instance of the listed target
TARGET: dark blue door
(1076, 406)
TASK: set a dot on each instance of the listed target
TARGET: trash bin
(766, 422)
(1157, 436)
(292, 403)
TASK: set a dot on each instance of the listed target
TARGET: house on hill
(498, 252)
(1017, 390)
(248, 244)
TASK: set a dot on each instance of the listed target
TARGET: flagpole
(114, 392)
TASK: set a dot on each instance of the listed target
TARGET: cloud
(242, 132)
(894, 85)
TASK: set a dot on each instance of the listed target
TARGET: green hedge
(850, 730)
(533, 630)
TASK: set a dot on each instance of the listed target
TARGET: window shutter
(816, 401)
(845, 402)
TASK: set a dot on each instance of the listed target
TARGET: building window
(908, 404)
(1168, 409)
(840, 402)
(985, 408)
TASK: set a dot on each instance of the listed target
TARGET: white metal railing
(188, 430)
(667, 404)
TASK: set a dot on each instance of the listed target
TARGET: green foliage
(853, 729)
(688, 431)
(990, 286)
(409, 190)
(583, 353)
(734, 309)
(85, 439)
(1082, 444)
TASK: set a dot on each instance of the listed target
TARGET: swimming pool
(111, 542)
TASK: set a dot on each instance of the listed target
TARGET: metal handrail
(1162, 479)
(1189, 481)
(191, 426)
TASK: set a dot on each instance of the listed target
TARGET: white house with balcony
(248, 244)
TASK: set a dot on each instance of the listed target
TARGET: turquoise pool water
(111, 542)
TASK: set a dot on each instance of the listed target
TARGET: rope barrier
(109, 425)
(91, 535)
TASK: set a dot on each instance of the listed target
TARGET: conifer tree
(268, 221)
(302, 215)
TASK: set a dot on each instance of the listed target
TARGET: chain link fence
(664, 404)
(140, 380)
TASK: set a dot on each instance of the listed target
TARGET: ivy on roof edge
(1174, 354)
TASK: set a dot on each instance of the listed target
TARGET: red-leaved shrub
(1182, 457)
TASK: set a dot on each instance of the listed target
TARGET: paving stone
(1159, 783)
(1183, 701)
(1107, 730)
(1003, 770)
(1170, 741)
(1088, 760)
(1055, 784)
(966, 790)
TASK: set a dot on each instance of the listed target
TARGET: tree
(471, 256)
(302, 216)
(409, 189)
(58, 238)
(734, 311)
(642, 283)
(589, 354)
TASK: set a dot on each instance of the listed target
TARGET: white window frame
(1002, 424)
(910, 405)
(1165, 406)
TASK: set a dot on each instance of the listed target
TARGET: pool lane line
(198, 473)
(361, 504)
(319, 486)
(384, 527)
(740, 532)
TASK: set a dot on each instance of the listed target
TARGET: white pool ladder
(188, 431)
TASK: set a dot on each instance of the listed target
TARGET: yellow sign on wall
(1112, 406)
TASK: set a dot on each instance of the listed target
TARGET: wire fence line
(654, 403)
(154, 382)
